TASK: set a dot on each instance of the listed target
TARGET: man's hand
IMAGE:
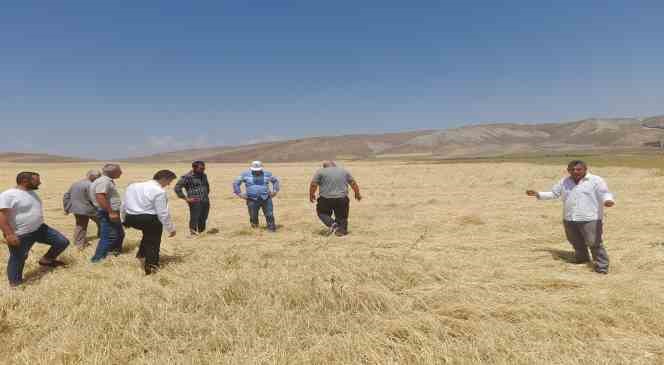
(358, 197)
(114, 216)
(532, 193)
(609, 203)
(12, 240)
(192, 200)
(172, 234)
(312, 198)
(273, 194)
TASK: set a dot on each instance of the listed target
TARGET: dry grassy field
(445, 264)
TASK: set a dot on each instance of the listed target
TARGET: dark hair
(575, 163)
(165, 175)
(197, 163)
(25, 176)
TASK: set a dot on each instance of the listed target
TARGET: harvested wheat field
(445, 264)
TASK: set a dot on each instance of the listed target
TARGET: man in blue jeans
(22, 223)
(258, 194)
(105, 197)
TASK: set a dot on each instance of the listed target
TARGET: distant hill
(35, 158)
(484, 140)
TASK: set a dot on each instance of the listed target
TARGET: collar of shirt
(156, 184)
(585, 178)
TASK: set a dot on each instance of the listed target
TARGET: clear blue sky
(114, 78)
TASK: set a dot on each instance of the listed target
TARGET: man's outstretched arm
(555, 193)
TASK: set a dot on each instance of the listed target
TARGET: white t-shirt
(25, 210)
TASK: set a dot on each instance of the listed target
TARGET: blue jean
(18, 254)
(111, 236)
(268, 210)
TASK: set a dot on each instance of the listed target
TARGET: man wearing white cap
(258, 193)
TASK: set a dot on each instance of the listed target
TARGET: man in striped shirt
(197, 188)
(584, 198)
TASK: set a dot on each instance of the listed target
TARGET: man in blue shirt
(258, 193)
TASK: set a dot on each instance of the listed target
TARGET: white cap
(256, 166)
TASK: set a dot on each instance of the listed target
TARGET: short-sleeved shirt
(106, 185)
(25, 210)
(333, 182)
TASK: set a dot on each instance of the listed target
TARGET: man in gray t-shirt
(106, 198)
(332, 183)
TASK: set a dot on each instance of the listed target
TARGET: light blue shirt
(257, 186)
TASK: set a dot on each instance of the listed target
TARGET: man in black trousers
(146, 209)
(333, 205)
(197, 188)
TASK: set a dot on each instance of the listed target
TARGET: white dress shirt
(148, 198)
(582, 202)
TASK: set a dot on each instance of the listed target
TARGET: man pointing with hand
(584, 198)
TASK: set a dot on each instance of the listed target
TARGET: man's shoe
(332, 229)
(51, 263)
(601, 271)
(340, 232)
(579, 261)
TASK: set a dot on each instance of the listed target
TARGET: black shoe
(579, 261)
(601, 271)
(340, 233)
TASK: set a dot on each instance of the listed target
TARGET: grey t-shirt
(106, 185)
(333, 182)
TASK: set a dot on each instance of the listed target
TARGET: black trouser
(340, 207)
(198, 216)
(151, 242)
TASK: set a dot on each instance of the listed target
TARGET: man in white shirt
(22, 223)
(106, 199)
(146, 209)
(584, 198)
